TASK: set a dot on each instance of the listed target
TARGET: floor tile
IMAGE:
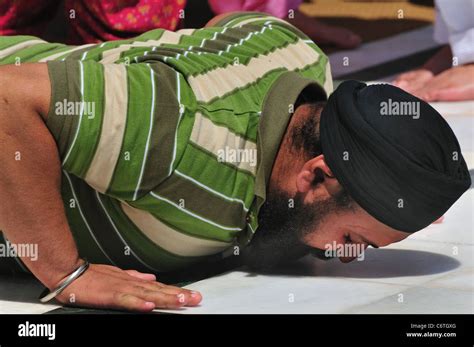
(241, 292)
(422, 300)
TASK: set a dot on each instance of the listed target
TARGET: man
(178, 148)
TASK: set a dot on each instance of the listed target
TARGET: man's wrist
(60, 275)
(65, 283)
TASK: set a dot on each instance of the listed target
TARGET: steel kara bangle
(71, 278)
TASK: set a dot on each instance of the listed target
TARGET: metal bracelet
(71, 278)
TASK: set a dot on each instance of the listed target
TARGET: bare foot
(454, 84)
(324, 34)
(413, 81)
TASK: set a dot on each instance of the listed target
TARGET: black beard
(278, 238)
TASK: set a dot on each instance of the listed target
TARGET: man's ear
(316, 171)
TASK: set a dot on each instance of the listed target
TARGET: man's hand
(105, 286)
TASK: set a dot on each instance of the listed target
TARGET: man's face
(290, 228)
(355, 227)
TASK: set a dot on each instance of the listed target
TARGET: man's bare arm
(31, 209)
(32, 212)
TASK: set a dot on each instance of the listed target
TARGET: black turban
(394, 154)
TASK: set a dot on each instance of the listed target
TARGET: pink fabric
(106, 20)
(94, 20)
(277, 8)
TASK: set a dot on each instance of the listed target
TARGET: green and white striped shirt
(168, 140)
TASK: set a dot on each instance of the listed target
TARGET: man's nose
(348, 259)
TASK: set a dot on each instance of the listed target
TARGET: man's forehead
(376, 232)
(384, 235)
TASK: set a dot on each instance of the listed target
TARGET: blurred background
(335, 25)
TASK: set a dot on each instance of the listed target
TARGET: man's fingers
(192, 298)
(129, 275)
(189, 297)
(141, 275)
(131, 302)
(161, 299)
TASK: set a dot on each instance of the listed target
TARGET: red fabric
(105, 20)
(91, 20)
(26, 17)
